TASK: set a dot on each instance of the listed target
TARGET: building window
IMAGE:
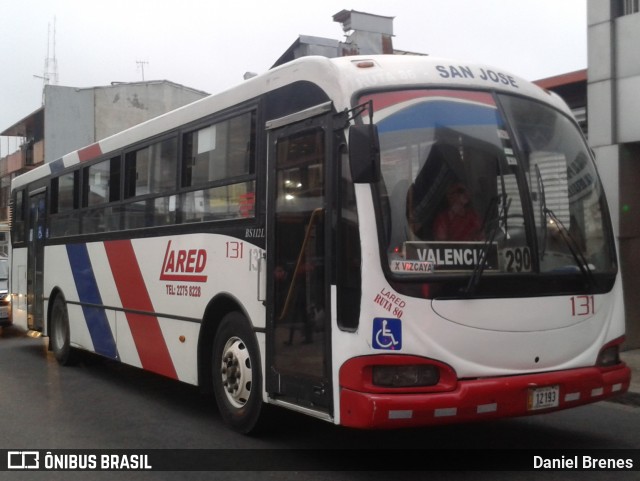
(630, 6)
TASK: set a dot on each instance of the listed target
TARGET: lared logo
(184, 265)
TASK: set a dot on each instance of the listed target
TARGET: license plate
(544, 397)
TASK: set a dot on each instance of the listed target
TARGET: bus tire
(59, 334)
(237, 378)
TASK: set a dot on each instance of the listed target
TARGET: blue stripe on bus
(56, 166)
(96, 317)
(430, 115)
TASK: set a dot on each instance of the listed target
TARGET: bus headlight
(405, 376)
(610, 353)
(397, 373)
(609, 356)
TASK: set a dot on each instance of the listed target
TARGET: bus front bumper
(482, 399)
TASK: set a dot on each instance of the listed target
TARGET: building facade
(613, 96)
(71, 118)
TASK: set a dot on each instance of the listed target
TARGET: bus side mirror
(364, 153)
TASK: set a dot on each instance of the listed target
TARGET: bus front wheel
(59, 338)
(237, 379)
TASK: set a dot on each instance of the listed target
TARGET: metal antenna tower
(50, 74)
(141, 64)
(51, 62)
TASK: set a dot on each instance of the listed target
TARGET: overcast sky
(209, 44)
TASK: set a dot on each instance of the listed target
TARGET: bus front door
(35, 262)
(298, 248)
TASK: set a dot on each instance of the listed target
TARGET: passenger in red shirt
(458, 222)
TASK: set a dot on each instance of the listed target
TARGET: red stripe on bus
(90, 152)
(145, 329)
(385, 99)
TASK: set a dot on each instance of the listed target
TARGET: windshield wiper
(565, 234)
(543, 214)
(502, 216)
(574, 248)
(482, 260)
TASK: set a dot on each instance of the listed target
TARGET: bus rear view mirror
(364, 153)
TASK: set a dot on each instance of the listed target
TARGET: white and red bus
(378, 242)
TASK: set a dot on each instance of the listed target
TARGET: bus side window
(151, 173)
(17, 214)
(219, 159)
(101, 185)
(65, 217)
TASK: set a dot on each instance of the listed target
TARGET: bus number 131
(582, 306)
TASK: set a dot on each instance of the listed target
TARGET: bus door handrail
(287, 303)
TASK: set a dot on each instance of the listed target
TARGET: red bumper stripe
(479, 399)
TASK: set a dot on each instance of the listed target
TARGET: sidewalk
(632, 358)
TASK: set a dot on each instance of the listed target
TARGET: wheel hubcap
(236, 372)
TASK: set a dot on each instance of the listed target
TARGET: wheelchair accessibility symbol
(387, 334)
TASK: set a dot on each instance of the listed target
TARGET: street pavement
(632, 359)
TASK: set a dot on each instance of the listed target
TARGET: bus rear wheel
(59, 335)
(237, 378)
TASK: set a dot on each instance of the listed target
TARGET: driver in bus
(458, 221)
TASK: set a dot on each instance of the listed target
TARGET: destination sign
(450, 256)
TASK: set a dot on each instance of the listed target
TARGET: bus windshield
(470, 175)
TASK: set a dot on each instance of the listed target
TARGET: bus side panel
(79, 334)
(126, 347)
(142, 301)
(182, 343)
(181, 275)
(127, 351)
(19, 287)
(58, 275)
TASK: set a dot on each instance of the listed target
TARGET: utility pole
(141, 64)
